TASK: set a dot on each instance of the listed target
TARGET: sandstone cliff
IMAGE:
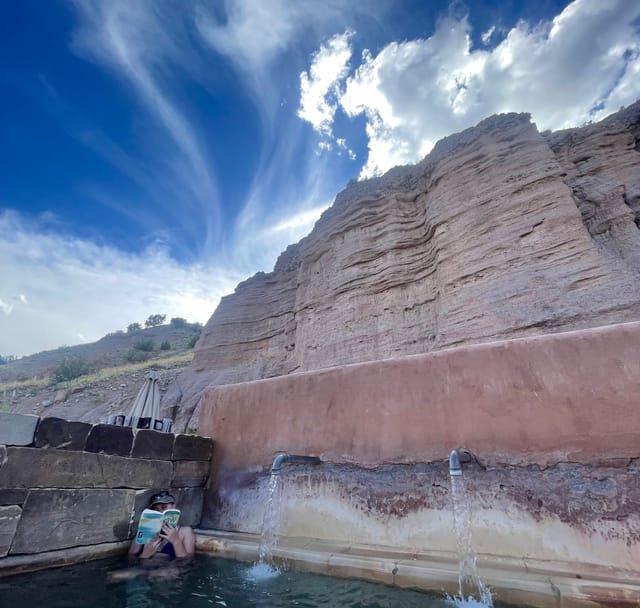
(500, 232)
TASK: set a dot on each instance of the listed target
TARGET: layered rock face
(500, 232)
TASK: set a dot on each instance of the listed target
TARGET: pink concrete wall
(572, 396)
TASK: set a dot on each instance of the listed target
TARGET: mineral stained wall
(500, 232)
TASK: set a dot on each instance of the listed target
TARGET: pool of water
(206, 581)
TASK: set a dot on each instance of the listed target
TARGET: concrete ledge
(19, 564)
(514, 581)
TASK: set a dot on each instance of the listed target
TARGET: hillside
(109, 351)
(28, 385)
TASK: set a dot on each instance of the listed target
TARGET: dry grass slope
(29, 385)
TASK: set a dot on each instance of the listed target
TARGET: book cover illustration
(151, 523)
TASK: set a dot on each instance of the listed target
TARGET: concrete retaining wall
(66, 485)
(573, 397)
(554, 422)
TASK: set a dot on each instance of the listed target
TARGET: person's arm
(148, 549)
(133, 549)
(182, 539)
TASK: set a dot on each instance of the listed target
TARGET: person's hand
(152, 547)
(169, 533)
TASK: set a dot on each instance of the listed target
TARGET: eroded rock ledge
(500, 232)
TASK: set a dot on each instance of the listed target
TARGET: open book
(151, 523)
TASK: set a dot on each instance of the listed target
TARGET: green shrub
(133, 327)
(166, 345)
(71, 368)
(192, 342)
(145, 345)
(137, 356)
(178, 323)
(155, 320)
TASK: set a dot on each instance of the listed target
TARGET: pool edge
(30, 562)
(512, 581)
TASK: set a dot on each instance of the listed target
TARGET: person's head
(162, 501)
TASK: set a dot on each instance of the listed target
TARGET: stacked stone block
(67, 484)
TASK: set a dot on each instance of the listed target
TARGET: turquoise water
(205, 582)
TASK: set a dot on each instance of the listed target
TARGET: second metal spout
(455, 468)
(292, 458)
(457, 458)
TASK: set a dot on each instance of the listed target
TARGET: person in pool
(178, 541)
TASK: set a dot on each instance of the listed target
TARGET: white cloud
(581, 66)
(6, 308)
(342, 146)
(486, 36)
(80, 291)
(319, 86)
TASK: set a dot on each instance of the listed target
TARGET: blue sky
(155, 153)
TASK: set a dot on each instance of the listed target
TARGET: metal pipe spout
(455, 467)
(459, 457)
(281, 459)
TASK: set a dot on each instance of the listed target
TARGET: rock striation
(500, 232)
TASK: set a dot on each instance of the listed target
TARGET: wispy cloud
(262, 40)
(76, 287)
(263, 231)
(253, 34)
(301, 223)
(143, 43)
(68, 287)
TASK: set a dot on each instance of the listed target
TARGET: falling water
(270, 521)
(471, 591)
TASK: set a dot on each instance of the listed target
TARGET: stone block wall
(66, 484)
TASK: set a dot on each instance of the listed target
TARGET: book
(151, 522)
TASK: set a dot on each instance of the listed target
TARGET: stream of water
(270, 521)
(471, 590)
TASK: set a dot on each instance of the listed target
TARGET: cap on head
(163, 498)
